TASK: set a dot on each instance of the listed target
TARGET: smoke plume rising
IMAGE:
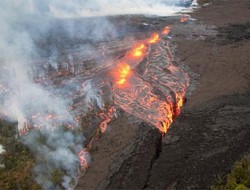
(24, 24)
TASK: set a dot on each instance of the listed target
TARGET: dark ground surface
(202, 144)
(213, 130)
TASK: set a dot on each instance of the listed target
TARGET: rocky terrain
(212, 131)
(202, 144)
(204, 141)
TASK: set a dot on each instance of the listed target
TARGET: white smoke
(2, 150)
(23, 23)
(92, 94)
(90, 8)
(59, 148)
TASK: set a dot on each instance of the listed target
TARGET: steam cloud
(91, 94)
(91, 8)
(23, 23)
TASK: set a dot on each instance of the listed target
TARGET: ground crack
(155, 158)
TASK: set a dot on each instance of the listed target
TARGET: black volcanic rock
(203, 143)
(131, 169)
(210, 139)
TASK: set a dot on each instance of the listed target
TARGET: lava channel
(155, 88)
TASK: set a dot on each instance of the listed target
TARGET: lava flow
(154, 38)
(122, 73)
(157, 86)
(106, 118)
(166, 30)
(138, 51)
(184, 19)
(84, 158)
(147, 83)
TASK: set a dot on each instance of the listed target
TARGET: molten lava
(106, 118)
(184, 19)
(179, 104)
(138, 51)
(122, 73)
(82, 156)
(154, 38)
(156, 93)
(166, 30)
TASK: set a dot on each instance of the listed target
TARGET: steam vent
(124, 94)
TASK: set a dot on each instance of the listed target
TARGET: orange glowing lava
(49, 117)
(179, 103)
(138, 51)
(166, 30)
(184, 19)
(172, 113)
(83, 155)
(154, 38)
(122, 73)
(25, 129)
(139, 99)
(168, 121)
(106, 118)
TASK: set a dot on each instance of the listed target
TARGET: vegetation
(17, 160)
(57, 176)
(239, 178)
